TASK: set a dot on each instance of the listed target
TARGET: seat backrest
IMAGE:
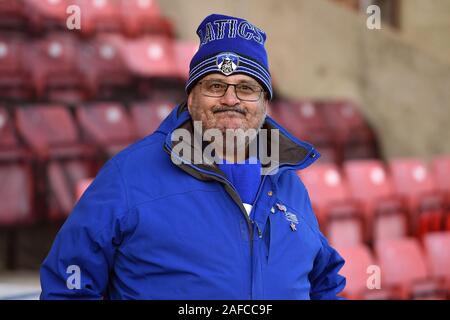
(367, 179)
(11, 51)
(303, 119)
(105, 123)
(344, 232)
(101, 54)
(132, 9)
(358, 259)
(325, 184)
(343, 115)
(16, 189)
(55, 54)
(401, 260)
(411, 177)
(437, 246)
(8, 138)
(440, 167)
(48, 9)
(47, 126)
(184, 51)
(147, 116)
(150, 56)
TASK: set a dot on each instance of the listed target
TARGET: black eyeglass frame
(261, 90)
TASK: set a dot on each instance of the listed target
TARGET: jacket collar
(294, 153)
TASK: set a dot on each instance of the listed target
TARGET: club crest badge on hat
(227, 63)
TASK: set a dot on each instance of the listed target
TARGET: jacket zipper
(241, 207)
(224, 181)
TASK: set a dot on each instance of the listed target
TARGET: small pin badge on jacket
(293, 226)
(281, 207)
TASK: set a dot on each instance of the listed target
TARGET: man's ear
(189, 101)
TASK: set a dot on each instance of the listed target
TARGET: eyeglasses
(217, 89)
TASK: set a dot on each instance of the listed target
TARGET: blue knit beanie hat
(230, 45)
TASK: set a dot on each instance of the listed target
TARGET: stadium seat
(102, 66)
(184, 51)
(440, 167)
(12, 15)
(403, 263)
(52, 62)
(14, 82)
(148, 115)
(46, 14)
(144, 17)
(62, 188)
(51, 132)
(358, 272)
(305, 121)
(99, 16)
(16, 194)
(106, 125)
(437, 247)
(386, 213)
(63, 158)
(10, 147)
(340, 218)
(352, 134)
(150, 56)
(412, 180)
(82, 185)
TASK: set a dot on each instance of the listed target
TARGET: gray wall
(318, 49)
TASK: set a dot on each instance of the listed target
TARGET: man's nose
(230, 98)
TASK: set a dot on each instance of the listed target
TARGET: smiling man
(155, 224)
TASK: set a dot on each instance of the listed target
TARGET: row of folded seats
(62, 67)
(404, 268)
(58, 145)
(337, 128)
(48, 151)
(128, 17)
(367, 201)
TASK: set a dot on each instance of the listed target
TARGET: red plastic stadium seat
(63, 179)
(16, 194)
(52, 62)
(338, 215)
(14, 82)
(107, 125)
(150, 56)
(51, 132)
(305, 121)
(359, 269)
(103, 68)
(440, 167)
(437, 246)
(99, 16)
(144, 16)
(81, 187)
(354, 138)
(12, 15)
(386, 214)
(184, 51)
(403, 263)
(441, 172)
(46, 14)
(412, 180)
(10, 147)
(147, 116)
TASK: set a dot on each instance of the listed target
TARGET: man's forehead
(234, 78)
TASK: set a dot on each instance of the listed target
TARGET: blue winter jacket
(147, 228)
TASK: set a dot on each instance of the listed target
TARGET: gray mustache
(226, 108)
